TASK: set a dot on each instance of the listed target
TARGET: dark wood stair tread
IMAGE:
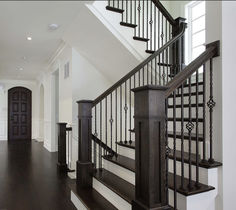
(121, 161)
(114, 9)
(185, 105)
(185, 119)
(128, 24)
(118, 185)
(92, 199)
(140, 39)
(187, 94)
(130, 165)
(171, 135)
(149, 51)
(186, 136)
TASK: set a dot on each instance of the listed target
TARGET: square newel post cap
(150, 87)
(84, 102)
(62, 123)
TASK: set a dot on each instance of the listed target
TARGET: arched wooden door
(19, 113)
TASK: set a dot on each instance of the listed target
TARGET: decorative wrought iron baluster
(130, 128)
(211, 104)
(139, 19)
(126, 109)
(94, 144)
(190, 127)
(151, 25)
(167, 150)
(111, 120)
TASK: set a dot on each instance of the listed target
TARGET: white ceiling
(19, 19)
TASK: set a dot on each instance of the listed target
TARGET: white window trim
(188, 39)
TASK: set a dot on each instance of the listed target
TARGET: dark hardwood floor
(29, 178)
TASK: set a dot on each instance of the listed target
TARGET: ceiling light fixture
(20, 69)
(53, 26)
(29, 38)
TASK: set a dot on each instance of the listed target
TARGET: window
(195, 14)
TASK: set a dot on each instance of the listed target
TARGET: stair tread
(185, 105)
(140, 39)
(178, 156)
(91, 198)
(149, 51)
(114, 9)
(185, 119)
(187, 94)
(130, 165)
(131, 25)
(178, 135)
(121, 187)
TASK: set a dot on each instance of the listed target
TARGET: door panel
(19, 113)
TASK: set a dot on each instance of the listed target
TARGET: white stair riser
(202, 201)
(111, 196)
(182, 201)
(206, 176)
(77, 202)
(127, 152)
(186, 111)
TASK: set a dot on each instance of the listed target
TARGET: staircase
(148, 141)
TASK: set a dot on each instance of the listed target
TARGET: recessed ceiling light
(53, 26)
(29, 38)
(20, 69)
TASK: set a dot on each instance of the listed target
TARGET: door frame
(8, 112)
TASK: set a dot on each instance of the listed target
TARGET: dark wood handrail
(164, 11)
(103, 145)
(140, 66)
(211, 51)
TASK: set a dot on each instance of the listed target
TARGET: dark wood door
(19, 113)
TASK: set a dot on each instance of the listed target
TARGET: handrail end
(215, 44)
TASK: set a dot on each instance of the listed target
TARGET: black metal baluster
(100, 146)
(121, 113)
(151, 23)
(139, 77)
(126, 11)
(182, 136)
(162, 31)
(197, 131)
(143, 76)
(122, 15)
(167, 150)
(190, 127)
(111, 119)
(155, 25)
(211, 104)
(143, 20)
(204, 161)
(155, 70)
(174, 149)
(106, 122)
(130, 141)
(126, 109)
(147, 24)
(116, 121)
(94, 144)
(139, 19)
(135, 6)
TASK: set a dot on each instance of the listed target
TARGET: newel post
(61, 164)
(178, 49)
(84, 163)
(150, 155)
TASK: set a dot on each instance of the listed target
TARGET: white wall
(48, 80)
(87, 83)
(228, 102)
(31, 85)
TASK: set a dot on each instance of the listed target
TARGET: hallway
(29, 179)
